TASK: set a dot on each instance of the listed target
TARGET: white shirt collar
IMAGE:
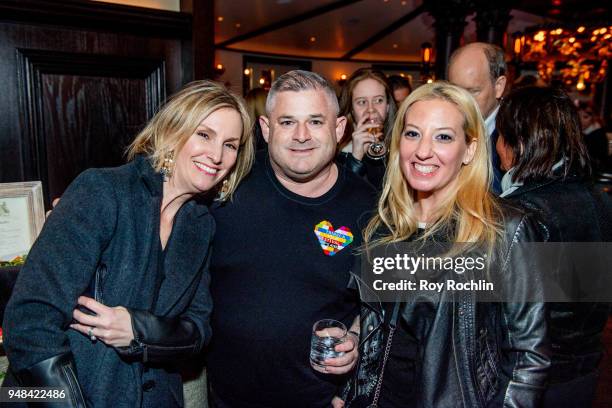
(490, 121)
(592, 128)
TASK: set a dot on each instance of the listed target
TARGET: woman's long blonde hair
(178, 119)
(470, 211)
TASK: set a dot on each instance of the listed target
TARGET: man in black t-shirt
(282, 256)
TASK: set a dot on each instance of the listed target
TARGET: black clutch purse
(94, 290)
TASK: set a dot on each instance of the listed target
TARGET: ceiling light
(220, 18)
(262, 81)
(247, 72)
(312, 39)
(394, 45)
(238, 25)
(343, 77)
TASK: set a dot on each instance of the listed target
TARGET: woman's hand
(111, 325)
(362, 138)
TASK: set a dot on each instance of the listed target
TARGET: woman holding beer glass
(446, 349)
(367, 102)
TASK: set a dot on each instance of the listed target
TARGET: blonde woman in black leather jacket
(451, 350)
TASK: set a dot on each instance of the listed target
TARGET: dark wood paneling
(72, 97)
(82, 110)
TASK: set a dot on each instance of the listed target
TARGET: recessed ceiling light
(238, 25)
(343, 77)
(312, 39)
(247, 72)
(220, 18)
(404, 3)
(394, 45)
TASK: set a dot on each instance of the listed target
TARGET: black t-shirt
(273, 276)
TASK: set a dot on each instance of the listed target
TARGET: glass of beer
(377, 149)
(326, 335)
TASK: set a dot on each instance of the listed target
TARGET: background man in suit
(480, 68)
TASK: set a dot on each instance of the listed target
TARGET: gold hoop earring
(168, 165)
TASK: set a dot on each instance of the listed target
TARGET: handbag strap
(392, 327)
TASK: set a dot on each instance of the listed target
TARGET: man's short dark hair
(299, 80)
(497, 62)
(398, 82)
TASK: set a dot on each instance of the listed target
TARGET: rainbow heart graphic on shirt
(332, 241)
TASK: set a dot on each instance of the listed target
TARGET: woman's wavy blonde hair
(470, 211)
(178, 119)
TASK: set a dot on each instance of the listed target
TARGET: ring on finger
(91, 335)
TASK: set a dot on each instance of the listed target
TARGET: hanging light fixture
(426, 54)
(426, 51)
(575, 56)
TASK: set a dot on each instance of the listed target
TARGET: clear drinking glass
(377, 149)
(326, 335)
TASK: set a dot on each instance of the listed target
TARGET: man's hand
(345, 363)
(337, 403)
(53, 204)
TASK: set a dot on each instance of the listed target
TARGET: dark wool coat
(111, 217)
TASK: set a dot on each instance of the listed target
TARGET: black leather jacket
(574, 212)
(501, 349)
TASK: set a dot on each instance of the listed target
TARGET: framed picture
(22, 215)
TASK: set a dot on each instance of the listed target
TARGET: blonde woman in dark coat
(116, 288)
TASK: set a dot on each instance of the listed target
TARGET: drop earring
(168, 165)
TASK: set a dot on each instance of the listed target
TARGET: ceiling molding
(384, 32)
(288, 22)
(302, 57)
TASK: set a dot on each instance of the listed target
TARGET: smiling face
(369, 98)
(210, 152)
(302, 131)
(433, 147)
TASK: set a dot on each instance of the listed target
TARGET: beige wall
(171, 5)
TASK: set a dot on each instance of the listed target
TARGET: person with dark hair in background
(115, 289)
(401, 88)
(540, 145)
(595, 137)
(256, 104)
(480, 69)
(367, 102)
